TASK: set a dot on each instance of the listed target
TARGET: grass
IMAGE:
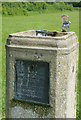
(0, 64)
(42, 21)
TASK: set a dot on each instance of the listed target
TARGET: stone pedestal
(41, 75)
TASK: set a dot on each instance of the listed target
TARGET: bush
(69, 7)
(30, 6)
(4, 12)
(59, 6)
(39, 6)
(63, 6)
(25, 12)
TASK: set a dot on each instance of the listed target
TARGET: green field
(42, 21)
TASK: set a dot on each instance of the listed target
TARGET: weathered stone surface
(61, 52)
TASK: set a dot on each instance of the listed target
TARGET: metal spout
(41, 33)
(66, 23)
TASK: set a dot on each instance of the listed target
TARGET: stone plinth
(41, 75)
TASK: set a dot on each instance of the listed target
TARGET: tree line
(24, 8)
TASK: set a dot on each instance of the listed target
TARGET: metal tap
(41, 33)
(66, 23)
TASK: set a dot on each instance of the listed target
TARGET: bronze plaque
(32, 81)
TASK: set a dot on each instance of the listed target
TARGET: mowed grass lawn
(40, 21)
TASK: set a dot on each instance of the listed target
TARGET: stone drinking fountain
(41, 73)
